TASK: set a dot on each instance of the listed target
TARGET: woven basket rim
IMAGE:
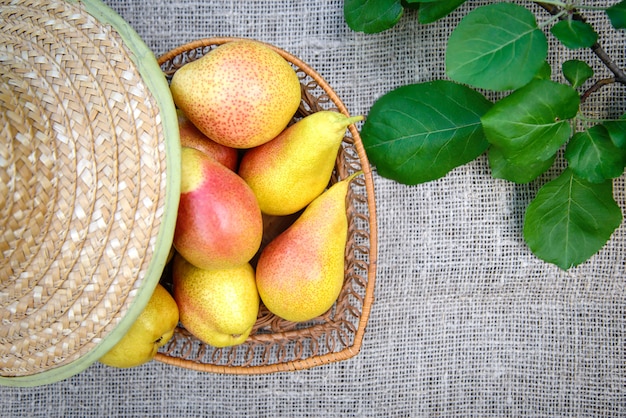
(368, 300)
(111, 318)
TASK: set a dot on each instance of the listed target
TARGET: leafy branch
(620, 75)
(419, 132)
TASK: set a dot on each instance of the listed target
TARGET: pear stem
(354, 119)
(353, 175)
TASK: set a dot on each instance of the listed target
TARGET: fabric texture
(466, 320)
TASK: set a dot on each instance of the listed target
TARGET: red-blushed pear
(219, 223)
(291, 170)
(240, 94)
(219, 307)
(191, 137)
(300, 273)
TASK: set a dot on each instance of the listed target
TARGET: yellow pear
(219, 307)
(240, 94)
(300, 273)
(287, 173)
(152, 329)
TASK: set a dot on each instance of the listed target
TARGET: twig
(597, 86)
(620, 75)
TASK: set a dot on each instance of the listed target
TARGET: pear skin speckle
(191, 137)
(241, 94)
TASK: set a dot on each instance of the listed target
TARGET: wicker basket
(275, 344)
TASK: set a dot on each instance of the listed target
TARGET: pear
(190, 136)
(219, 223)
(287, 173)
(152, 329)
(240, 94)
(219, 307)
(300, 273)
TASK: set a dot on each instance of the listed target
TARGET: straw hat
(90, 171)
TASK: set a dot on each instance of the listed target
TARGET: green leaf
(419, 132)
(617, 131)
(545, 72)
(571, 219)
(592, 155)
(617, 15)
(574, 34)
(501, 168)
(372, 16)
(531, 124)
(408, 4)
(432, 12)
(577, 72)
(497, 47)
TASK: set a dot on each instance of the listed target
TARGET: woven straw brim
(276, 344)
(89, 178)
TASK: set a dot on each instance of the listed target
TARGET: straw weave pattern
(83, 171)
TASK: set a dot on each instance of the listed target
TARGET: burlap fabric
(466, 320)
